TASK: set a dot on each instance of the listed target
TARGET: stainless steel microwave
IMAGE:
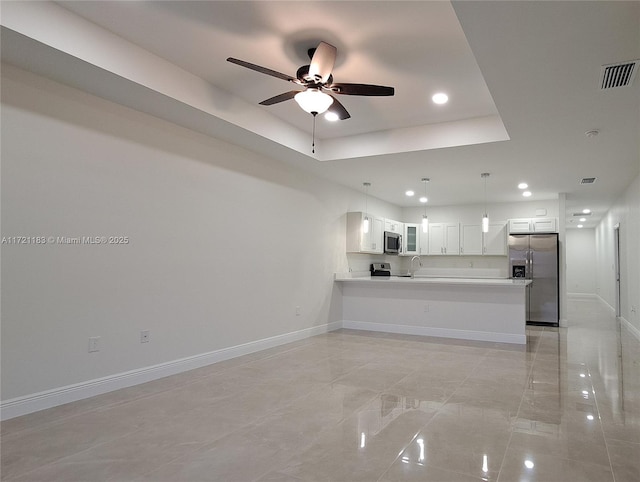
(392, 243)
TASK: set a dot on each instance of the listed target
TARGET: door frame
(616, 267)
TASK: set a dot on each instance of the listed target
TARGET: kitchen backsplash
(439, 266)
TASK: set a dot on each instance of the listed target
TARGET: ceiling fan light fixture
(313, 101)
(332, 116)
(440, 98)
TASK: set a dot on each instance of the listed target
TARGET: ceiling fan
(319, 88)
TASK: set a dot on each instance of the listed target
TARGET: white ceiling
(522, 78)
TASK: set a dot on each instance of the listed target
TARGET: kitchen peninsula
(464, 308)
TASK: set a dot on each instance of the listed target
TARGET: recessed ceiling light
(423, 199)
(331, 116)
(440, 98)
(586, 211)
(580, 225)
(409, 193)
(526, 193)
(582, 220)
(523, 185)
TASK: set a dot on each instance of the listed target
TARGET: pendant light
(365, 221)
(425, 219)
(485, 217)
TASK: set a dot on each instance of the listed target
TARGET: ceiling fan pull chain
(313, 135)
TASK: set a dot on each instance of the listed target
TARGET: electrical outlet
(144, 336)
(297, 311)
(94, 344)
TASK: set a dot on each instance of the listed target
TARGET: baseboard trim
(634, 331)
(16, 407)
(436, 332)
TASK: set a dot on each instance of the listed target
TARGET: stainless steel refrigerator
(535, 257)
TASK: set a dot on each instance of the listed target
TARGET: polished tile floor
(350, 406)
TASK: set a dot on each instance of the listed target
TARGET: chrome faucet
(411, 270)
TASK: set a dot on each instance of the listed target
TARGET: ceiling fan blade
(322, 62)
(361, 89)
(280, 98)
(338, 109)
(262, 70)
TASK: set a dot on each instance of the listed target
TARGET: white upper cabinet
(546, 225)
(393, 226)
(495, 241)
(360, 242)
(444, 239)
(411, 239)
(474, 242)
(471, 239)
(533, 225)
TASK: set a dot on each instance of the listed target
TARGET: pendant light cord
(485, 194)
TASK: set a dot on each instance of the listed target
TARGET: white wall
(224, 243)
(626, 213)
(581, 266)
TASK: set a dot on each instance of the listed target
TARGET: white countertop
(504, 282)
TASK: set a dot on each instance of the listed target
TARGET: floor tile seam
(395, 384)
(204, 447)
(619, 440)
(355, 410)
(529, 374)
(570, 459)
(595, 399)
(101, 407)
(401, 451)
(273, 411)
(65, 419)
(61, 459)
(445, 402)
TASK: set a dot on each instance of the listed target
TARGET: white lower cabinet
(360, 242)
(444, 239)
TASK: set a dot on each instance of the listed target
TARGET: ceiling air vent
(618, 75)
(581, 215)
(588, 180)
